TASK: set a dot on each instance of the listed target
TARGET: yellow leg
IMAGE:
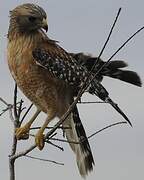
(23, 132)
(39, 137)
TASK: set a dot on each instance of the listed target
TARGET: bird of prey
(51, 77)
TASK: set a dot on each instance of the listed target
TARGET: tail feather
(82, 150)
(97, 89)
(112, 69)
(117, 64)
(115, 106)
(125, 75)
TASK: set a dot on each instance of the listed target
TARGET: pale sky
(83, 26)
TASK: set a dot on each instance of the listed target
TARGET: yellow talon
(39, 140)
(22, 132)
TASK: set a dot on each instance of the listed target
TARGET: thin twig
(65, 141)
(74, 142)
(110, 33)
(53, 135)
(49, 142)
(131, 37)
(50, 127)
(46, 160)
(109, 126)
(15, 121)
(24, 152)
(15, 102)
(92, 102)
(26, 113)
(7, 109)
(100, 54)
(3, 101)
(55, 145)
(9, 106)
(20, 109)
(11, 115)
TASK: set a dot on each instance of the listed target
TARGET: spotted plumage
(67, 70)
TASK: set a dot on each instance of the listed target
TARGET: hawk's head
(28, 18)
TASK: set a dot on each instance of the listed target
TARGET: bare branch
(52, 135)
(23, 153)
(12, 168)
(65, 141)
(49, 142)
(20, 108)
(55, 145)
(130, 38)
(26, 113)
(109, 126)
(50, 127)
(3, 101)
(74, 142)
(110, 33)
(15, 102)
(11, 116)
(92, 102)
(7, 109)
(91, 77)
(46, 160)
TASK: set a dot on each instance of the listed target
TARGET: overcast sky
(83, 26)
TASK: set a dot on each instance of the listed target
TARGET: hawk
(51, 78)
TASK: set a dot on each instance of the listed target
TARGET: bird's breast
(34, 81)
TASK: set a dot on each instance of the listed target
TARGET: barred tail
(123, 75)
(76, 133)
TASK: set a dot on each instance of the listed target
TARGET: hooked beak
(44, 24)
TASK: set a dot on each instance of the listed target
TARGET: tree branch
(3, 101)
(90, 136)
(46, 160)
(26, 113)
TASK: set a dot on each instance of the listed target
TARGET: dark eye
(32, 18)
